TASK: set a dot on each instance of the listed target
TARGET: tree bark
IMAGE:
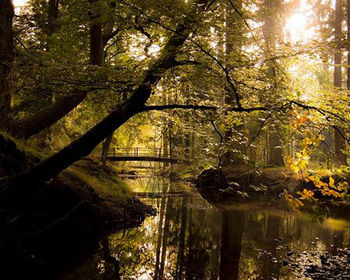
(6, 60)
(46, 117)
(233, 134)
(25, 128)
(105, 148)
(96, 43)
(339, 141)
(348, 37)
(275, 157)
(52, 15)
(270, 30)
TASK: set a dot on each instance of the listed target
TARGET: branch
(226, 71)
(187, 62)
(321, 111)
(201, 107)
(341, 134)
(178, 106)
(259, 131)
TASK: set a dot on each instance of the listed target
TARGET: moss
(25, 147)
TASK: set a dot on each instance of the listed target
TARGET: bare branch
(259, 131)
(178, 106)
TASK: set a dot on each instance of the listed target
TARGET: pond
(191, 239)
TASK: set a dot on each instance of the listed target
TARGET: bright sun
(18, 3)
(297, 27)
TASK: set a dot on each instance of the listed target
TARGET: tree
(6, 60)
(83, 146)
(233, 44)
(271, 31)
(339, 141)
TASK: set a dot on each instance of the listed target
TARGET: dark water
(190, 239)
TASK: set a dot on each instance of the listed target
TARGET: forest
(183, 139)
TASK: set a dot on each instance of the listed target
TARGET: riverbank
(61, 219)
(270, 185)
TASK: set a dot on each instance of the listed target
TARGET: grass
(106, 183)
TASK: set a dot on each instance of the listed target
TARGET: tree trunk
(25, 128)
(270, 30)
(275, 156)
(348, 37)
(105, 148)
(83, 146)
(6, 60)
(233, 134)
(52, 15)
(46, 117)
(96, 43)
(339, 141)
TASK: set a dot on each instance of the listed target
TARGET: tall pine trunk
(6, 60)
(271, 34)
(339, 141)
(233, 43)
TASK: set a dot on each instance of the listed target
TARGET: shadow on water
(191, 239)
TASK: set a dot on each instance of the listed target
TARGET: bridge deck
(146, 158)
(142, 154)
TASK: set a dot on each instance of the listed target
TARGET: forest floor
(62, 218)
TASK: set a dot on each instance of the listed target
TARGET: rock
(289, 253)
(212, 178)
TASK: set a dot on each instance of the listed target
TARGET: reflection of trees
(160, 273)
(269, 265)
(188, 240)
(111, 267)
(231, 240)
(182, 235)
(180, 243)
(160, 235)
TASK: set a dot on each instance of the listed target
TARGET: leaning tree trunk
(46, 117)
(339, 141)
(25, 128)
(83, 146)
(6, 60)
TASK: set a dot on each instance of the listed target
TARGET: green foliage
(255, 62)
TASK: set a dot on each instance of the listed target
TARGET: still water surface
(191, 239)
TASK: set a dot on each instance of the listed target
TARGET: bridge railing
(136, 152)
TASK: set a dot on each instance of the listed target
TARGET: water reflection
(190, 239)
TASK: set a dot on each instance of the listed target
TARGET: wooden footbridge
(142, 154)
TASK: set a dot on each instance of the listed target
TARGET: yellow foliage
(294, 202)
